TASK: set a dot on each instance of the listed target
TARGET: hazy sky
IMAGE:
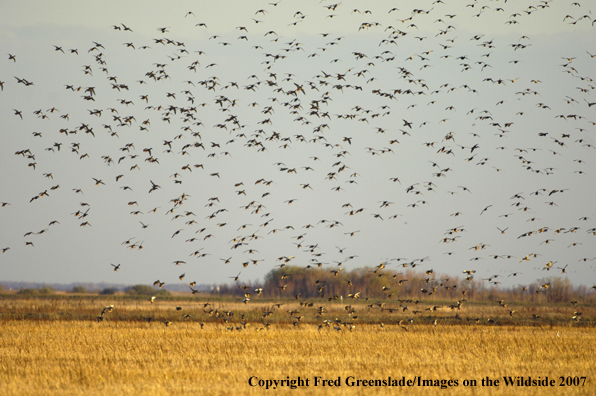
(437, 135)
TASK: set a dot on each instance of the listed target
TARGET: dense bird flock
(446, 138)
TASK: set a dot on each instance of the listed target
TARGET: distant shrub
(163, 293)
(27, 292)
(79, 289)
(46, 290)
(141, 290)
(145, 290)
(43, 290)
(108, 291)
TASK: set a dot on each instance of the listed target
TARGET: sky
(225, 139)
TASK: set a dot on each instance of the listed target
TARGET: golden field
(124, 354)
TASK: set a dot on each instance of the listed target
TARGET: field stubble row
(126, 357)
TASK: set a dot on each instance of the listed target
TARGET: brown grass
(125, 355)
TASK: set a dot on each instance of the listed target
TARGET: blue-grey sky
(232, 137)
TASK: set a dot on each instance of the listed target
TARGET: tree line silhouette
(380, 283)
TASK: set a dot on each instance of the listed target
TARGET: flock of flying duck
(220, 151)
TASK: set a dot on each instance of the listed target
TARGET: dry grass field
(56, 346)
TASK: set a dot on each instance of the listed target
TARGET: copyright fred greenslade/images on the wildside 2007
(416, 381)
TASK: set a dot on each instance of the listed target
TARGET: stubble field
(67, 352)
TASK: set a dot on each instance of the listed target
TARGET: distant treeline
(92, 287)
(367, 283)
(380, 283)
(101, 288)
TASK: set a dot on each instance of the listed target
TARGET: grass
(211, 309)
(124, 354)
